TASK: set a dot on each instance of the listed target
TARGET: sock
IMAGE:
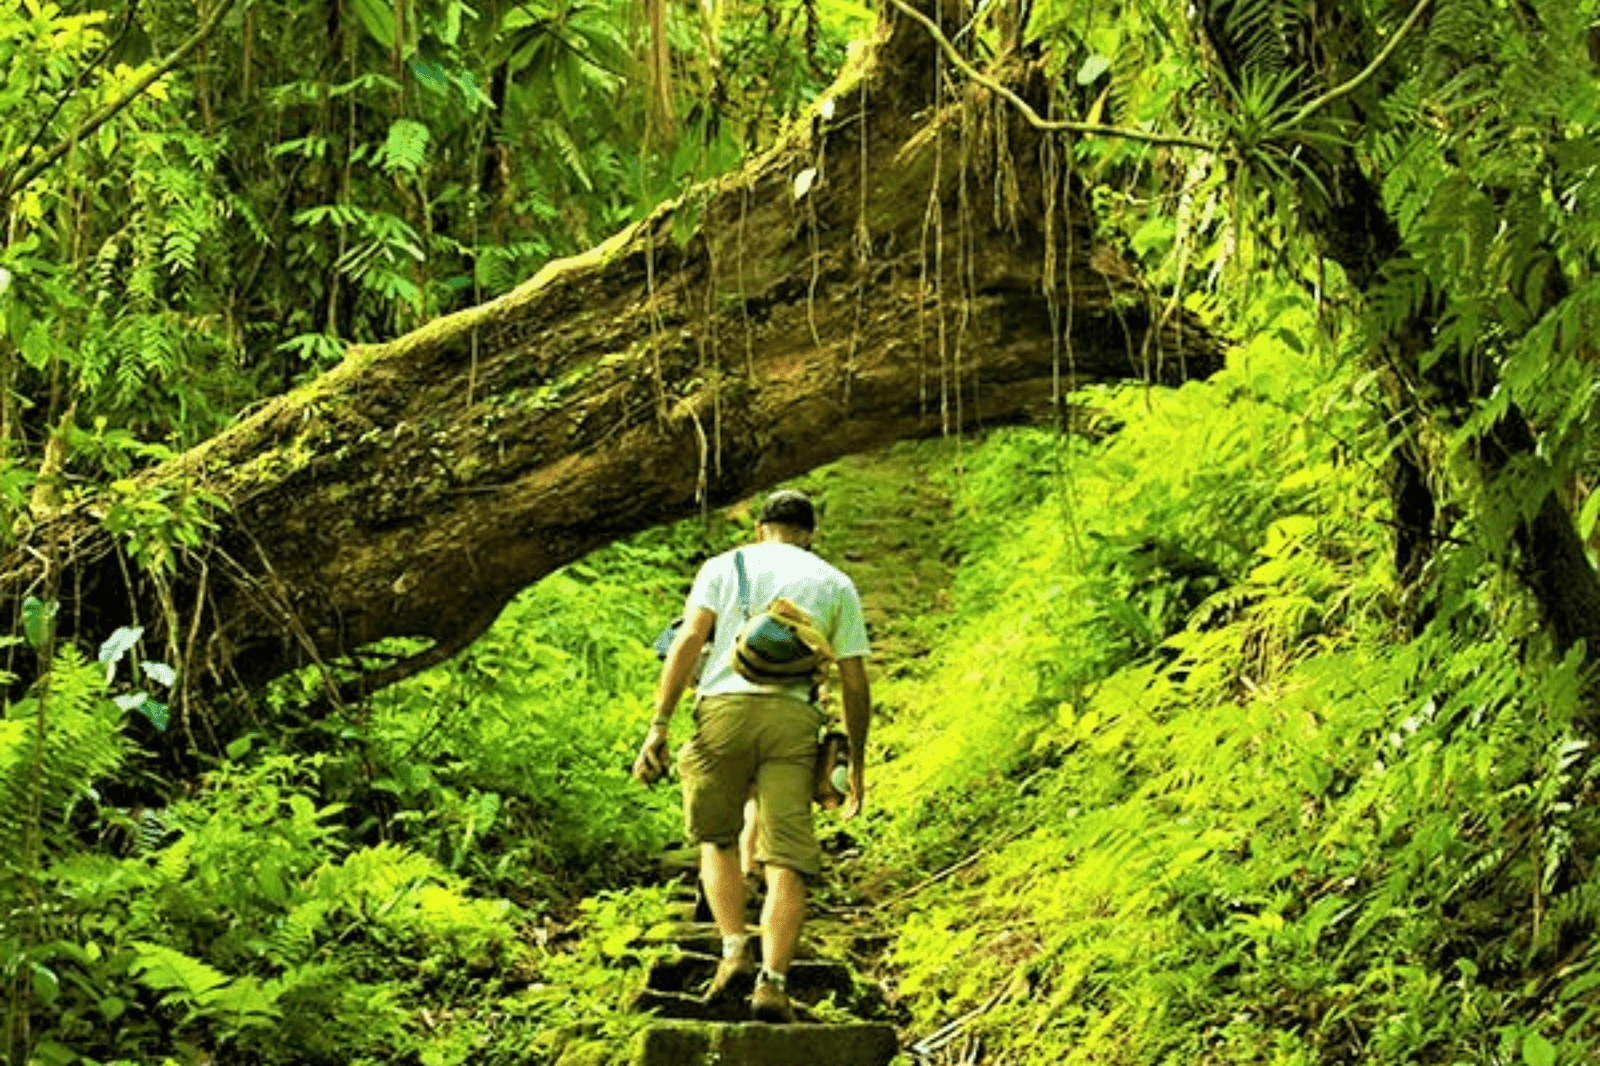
(780, 981)
(733, 946)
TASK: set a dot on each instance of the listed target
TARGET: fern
(1254, 35)
(55, 744)
(202, 990)
(175, 974)
(406, 147)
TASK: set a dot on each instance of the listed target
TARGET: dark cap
(786, 507)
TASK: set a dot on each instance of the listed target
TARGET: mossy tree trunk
(924, 282)
(1343, 207)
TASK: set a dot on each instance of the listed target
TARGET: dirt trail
(883, 521)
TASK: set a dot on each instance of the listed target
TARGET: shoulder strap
(744, 583)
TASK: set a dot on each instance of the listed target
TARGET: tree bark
(728, 342)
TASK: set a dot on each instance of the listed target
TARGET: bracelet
(662, 720)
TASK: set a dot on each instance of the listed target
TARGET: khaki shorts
(767, 741)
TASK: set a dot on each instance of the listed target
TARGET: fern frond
(406, 147)
(54, 745)
(1252, 35)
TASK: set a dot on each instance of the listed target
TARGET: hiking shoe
(733, 978)
(771, 1004)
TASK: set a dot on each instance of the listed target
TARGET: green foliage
(1133, 540)
(1237, 819)
(511, 763)
(586, 986)
(54, 745)
(1187, 777)
(316, 178)
(356, 905)
(245, 906)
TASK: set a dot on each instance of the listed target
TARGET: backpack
(663, 644)
(779, 645)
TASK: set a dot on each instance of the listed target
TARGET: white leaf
(160, 673)
(803, 182)
(1092, 68)
(826, 109)
(117, 645)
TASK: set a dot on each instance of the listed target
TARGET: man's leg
(719, 872)
(716, 767)
(724, 884)
(781, 918)
(747, 839)
(786, 843)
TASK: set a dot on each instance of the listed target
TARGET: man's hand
(654, 756)
(857, 714)
(858, 791)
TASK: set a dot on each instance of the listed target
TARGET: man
(760, 734)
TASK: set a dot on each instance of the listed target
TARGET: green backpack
(779, 645)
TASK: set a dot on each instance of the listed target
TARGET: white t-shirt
(775, 569)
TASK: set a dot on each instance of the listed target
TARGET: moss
(468, 468)
(590, 1053)
(552, 393)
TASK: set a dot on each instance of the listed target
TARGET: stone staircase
(840, 1019)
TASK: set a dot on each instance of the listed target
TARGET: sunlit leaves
(1283, 799)
(406, 147)
(38, 621)
(378, 17)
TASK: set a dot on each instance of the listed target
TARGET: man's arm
(697, 628)
(857, 716)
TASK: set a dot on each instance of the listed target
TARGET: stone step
(688, 904)
(681, 1006)
(810, 980)
(699, 937)
(688, 889)
(690, 909)
(703, 937)
(758, 1044)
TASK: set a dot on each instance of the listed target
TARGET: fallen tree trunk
(841, 292)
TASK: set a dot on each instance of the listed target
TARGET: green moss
(590, 1053)
(552, 393)
(468, 468)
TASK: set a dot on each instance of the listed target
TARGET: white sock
(780, 981)
(733, 946)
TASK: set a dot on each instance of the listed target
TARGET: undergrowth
(1173, 773)
(1180, 786)
(428, 878)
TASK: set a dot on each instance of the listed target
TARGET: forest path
(883, 521)
(842, 1020)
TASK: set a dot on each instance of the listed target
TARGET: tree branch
(67, 94)
(1092, 129)
(1338, 92)
(109, 111)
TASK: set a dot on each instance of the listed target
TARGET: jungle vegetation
(374, 376)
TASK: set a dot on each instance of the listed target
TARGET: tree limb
(110, 111)
(1339, 92)
(415, 488)
(1092, 129)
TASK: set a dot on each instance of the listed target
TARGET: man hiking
(760, 733)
